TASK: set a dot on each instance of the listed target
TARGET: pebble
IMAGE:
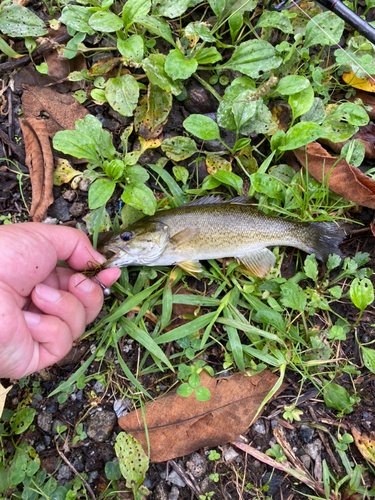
(197, 465)
(84, 184)
(64, 472)
(161, 491)
(148, 483)
(69, 195)
(176, 479)
(306, 433)
(52, 408)
(77, 209)
(45, 421)
(313, 449)
(100, 426)
(52, 221)
(274, 423)
(122, 406)
(306, 460)
(259, 427)
(230, 454)
(98, 387)
(173, 495)
(92, 476)
(60, 209)
(40, 447)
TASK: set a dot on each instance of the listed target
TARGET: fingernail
(47, 293)
(31, 319)
(85, 285)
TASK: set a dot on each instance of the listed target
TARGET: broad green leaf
(337, 397)
(22, 420)
(311, 267)
(133, 9)
(316, 113)
(133, 460)
(91, 127)
(353, 152)
(361, 293)
(268, 185)
(359, 56)
(170, 8)
(100, 192)
(225, 8)
(159, 105)
(292, 296)
(98, 217)
(336, 131)
(132, 48)
(71, 48)
(244, 108)
(178, 67)
(351, 113)
(301, 102)
(236, 92)
(208, 55)
(181, 174)
(230, 179)
(154, 67)
(202, 394)
(107, 22)
(368, 355)
(202, 126)
(122, 94)
(324, 24)
(292, 84)
(76, 144)
(77, 17)
(235, 24)
(261, 123)
(179, 148)
(17, 21)
(157, 26)
(140, 197)
(185, 390)
(112, 471)
(201, 30)
(217, 6)
(254, 57)
(301, 134)
(273, 19)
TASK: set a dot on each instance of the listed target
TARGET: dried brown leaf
(365, 444)
(365, 134)
(3, 395)
(344, 179)
(178, 426)
(39, 159)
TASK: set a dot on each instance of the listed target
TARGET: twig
(185, 477)
(87, 486)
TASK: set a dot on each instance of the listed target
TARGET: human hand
(58, 302)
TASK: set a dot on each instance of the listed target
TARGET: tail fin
(327, 237)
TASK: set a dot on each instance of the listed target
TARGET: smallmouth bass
(209, 228)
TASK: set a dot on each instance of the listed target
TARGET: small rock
(161, 492)
(100, 426)
(148, 483)
(40, 447)
(230, 454)
(92, 476)
(122, 407)
(69, 195)
(176, 479)
(306, 433)
(197, 465)
(98, 387)
(259, 427)
(77, 209)
(206, 485)
(60, 209)
(37, 398)
(274, 423)
(52, 221)
(45, 421)
(313, 449)
(306, 460)
(173, 495)
(84, 184)
(64, 472)
(52, 408)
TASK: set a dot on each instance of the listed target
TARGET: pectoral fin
(190, 266)
(184, 236)
(259, 262)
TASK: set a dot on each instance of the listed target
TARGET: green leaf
(140, 197)
(181, 174)
(361, 293)
(185, 390)
(337, 397)
(8, 51)
(301, 134)
(122, 94)
(202, 126)
(230, 179)
(200, 29)
(179, 198)
(132, 48)
(112, 471)
(22, 420)
(157, 26)
(43, 69)
(253, 57)
(92, 128)
(178, 67)
(76, 144)
(353, 152)
(133, 9)
(351, 113)
(77, 17)
(133, 460)
(170, 8)
(316, 113)
(311, 268)
(208, 55)
(368, 356)
(235, 24)
(273, 19)
(336, 131)
(292, 84)
(268, 185)
(17, 21)
(71, 48)
(100, 192)
(194, 380)
(179, 148)
(292, 296)
(324, 24)
(202, 394)
(154, 67)
(107, 22)
(236, 92)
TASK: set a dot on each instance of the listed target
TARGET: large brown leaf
(344, 179)
(39, 159)
(178, 426)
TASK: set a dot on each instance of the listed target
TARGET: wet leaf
(17, 21)
(292, 84)
(253, 57)
(344, 179)
(91, 221)
(157, 26)
(100, 192)
(170, 8)
(367, 84)
(208, 55)
(133, 9)
(359, 55)
(337, 397)
(132, 48)
(302, 133)
(330, 23)
(201, 30)
(77, 17)
(154, 67)
(92, 128)
(140, 197)
(150, 117)
(368, 355)
(64, 172)
(178, 67)
(273, 19)
(179, 148)
(316, 113)
(301, 102)
(76, 144)
(216, 163)
(104, 65)
(105, 21)
(133, 460)
(230, 179)
(122, 94)
(202, 126)
(365, 444)
(180, 425)
(365, 140)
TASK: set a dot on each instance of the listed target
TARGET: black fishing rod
(338, 8)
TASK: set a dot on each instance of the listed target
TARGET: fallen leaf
(365, 444)
(367, 99)
(367, 84)
(39, 159)
(344, 179)
(178, 426)
(64, 172)
(3, 395)
(365, 134)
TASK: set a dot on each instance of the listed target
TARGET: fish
(210, 228)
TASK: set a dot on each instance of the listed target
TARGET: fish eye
(127, 236)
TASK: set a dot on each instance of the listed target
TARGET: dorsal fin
(204, 200)
(242, 200)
